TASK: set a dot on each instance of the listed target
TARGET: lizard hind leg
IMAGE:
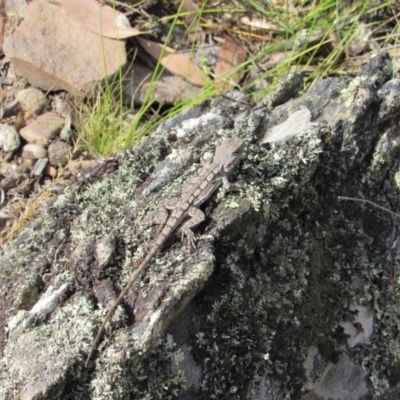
(161, 216)
(197, 216)
(188, 236)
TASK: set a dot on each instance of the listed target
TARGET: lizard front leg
(230, 187)
(197, 217)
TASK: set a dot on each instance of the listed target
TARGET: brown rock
(3, 19)
(61, 54)
(59, 153)
(32, 101)
(82, 165)
(42, 129)
(50, 171)
(168, 89)
(33, 151)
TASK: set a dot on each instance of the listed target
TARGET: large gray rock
(264, 308)
(53, 51)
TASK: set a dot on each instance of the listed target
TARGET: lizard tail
(131, 281)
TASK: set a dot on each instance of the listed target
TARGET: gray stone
(15, 8)
(59, 153)
(9, 138)
(33, 151)
(61, 54)
(8, 109)
(41, 130)
(105, 251)
(256, 311)
(39, 166)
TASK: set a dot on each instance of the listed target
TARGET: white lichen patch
(343, 379)
(47, 302)
(350, 95)
(55, 350)
(297, 123)
(207, 119)
(397, 179)
(361, 326)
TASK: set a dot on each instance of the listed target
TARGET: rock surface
(59, 152)
(9, 138)
(41, 130)
(263, 309)
(78, 166)
(33, 151)
(32, 101)
(3, 19)
(167, 89)
(62, 54)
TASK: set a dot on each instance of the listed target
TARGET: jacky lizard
(194, 195)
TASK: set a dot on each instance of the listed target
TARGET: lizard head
(229, 153)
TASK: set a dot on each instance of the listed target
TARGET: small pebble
(50, 171)
(59, 153)
(82, 165)
(43, 129)
(9, 138)
(33, 151)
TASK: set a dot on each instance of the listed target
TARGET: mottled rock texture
(263, 308)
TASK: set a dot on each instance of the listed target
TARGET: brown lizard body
(195, 194)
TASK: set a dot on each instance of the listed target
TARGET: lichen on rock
(291, 293)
